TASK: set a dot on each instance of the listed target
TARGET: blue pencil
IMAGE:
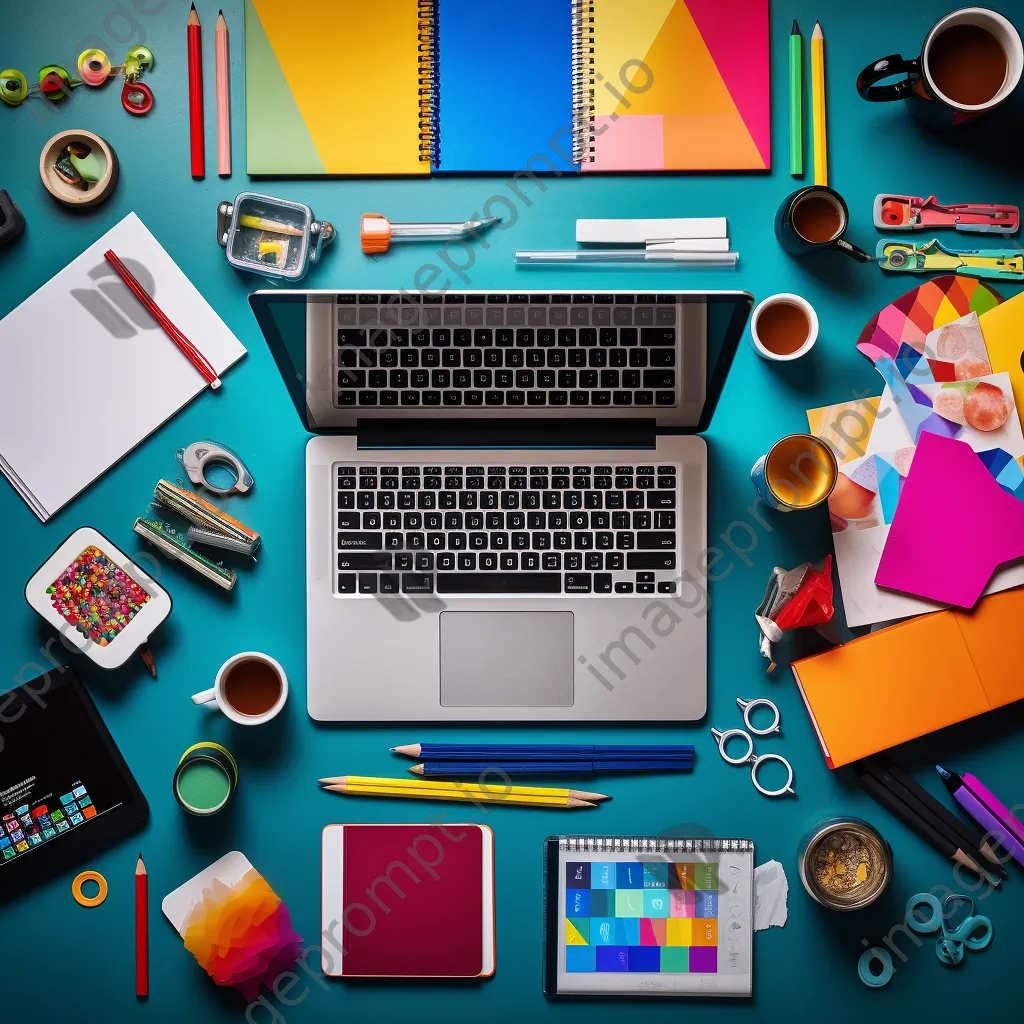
(490, 769)
(545, 751)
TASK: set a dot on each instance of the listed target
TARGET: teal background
(64, 962)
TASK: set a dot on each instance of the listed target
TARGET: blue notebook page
(505, 84)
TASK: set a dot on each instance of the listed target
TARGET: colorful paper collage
(698, 101)
(866, 497)
(950, 495)
(652, 918)
(954, 351)
(914, 315)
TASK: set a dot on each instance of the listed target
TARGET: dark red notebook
(409, 900)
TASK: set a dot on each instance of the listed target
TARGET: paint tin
(799, 472)
(205, 779)
(844, 863)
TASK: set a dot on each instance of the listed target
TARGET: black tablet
(64, 787)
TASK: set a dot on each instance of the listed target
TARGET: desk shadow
(214, 833)
(994, 140)
(268, 745)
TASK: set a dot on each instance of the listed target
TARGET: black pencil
(969, 840)
(919, 825)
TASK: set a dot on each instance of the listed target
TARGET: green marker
(796, 89)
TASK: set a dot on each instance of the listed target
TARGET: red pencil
(195, 94)
(194, 356)
(141, 930)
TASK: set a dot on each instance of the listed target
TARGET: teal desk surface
(63, 962)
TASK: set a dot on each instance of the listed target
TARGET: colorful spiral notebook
(412, 901)
(648, 916)
(548, 86)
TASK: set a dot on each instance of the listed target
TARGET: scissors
(973, 932)
(749, 757)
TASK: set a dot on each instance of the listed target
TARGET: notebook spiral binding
(583, 81)
(652, 844)
(428, 81)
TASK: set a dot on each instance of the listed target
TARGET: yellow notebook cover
(1003, 328)
(331, 87)
(913, 678)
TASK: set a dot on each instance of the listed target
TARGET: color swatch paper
(648, 916)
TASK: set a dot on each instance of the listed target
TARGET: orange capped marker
(376, 232)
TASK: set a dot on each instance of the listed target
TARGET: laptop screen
(350, 359)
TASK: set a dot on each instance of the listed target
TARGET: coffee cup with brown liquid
(970, 62)
(250, 688)
(815, 218)
(783, 327)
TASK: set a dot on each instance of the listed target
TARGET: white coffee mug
(812, 327)
(216, 695)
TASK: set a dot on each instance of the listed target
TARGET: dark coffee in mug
(252, 687)
(967, 64)
(782, 327)
(817, 218)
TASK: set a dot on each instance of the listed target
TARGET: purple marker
(987, 810)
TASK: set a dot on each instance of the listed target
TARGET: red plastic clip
(137, 98)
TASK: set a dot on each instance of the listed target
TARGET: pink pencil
(223, 97)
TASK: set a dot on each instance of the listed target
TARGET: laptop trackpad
(506, 659)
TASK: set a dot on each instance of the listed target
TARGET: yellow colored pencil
(496, 788)
(355, 785)
(248, 220)
(818, 105)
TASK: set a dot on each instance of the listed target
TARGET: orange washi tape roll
(80, 897)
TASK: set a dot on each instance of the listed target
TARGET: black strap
(886, 67)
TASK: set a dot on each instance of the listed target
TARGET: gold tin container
(844, 863)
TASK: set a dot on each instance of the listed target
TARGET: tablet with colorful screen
(648, 916)
(63, 783)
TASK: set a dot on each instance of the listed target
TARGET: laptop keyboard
(574, 530)
(473, 350)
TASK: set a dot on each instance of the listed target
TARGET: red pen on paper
(195, 94)
(195, 357)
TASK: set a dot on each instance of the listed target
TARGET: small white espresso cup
(218, 695)
(773, 300)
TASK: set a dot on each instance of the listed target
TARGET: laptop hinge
(531, 433)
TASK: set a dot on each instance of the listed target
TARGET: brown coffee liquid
(782, 327)
(252, 687)
(968, 64)
(817, 218)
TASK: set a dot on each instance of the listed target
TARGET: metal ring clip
(746, 706)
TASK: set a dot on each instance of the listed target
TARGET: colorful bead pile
(96, 596)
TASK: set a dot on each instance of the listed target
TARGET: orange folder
(914, 677)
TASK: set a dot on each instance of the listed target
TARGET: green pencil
(796, 88)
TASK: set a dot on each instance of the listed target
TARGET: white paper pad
(88, 373)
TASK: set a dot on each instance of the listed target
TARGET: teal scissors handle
(931, 920)
(975, 932)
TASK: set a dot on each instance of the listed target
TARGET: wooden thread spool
(67, 194)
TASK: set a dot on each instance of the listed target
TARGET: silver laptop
(506, 499)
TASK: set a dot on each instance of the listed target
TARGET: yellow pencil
(818, 105)
(408, 790)
(496, 788)
(248, 220)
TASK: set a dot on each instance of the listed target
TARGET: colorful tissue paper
(242, 934)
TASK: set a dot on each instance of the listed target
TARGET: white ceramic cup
(812, 334)
(215, 695)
